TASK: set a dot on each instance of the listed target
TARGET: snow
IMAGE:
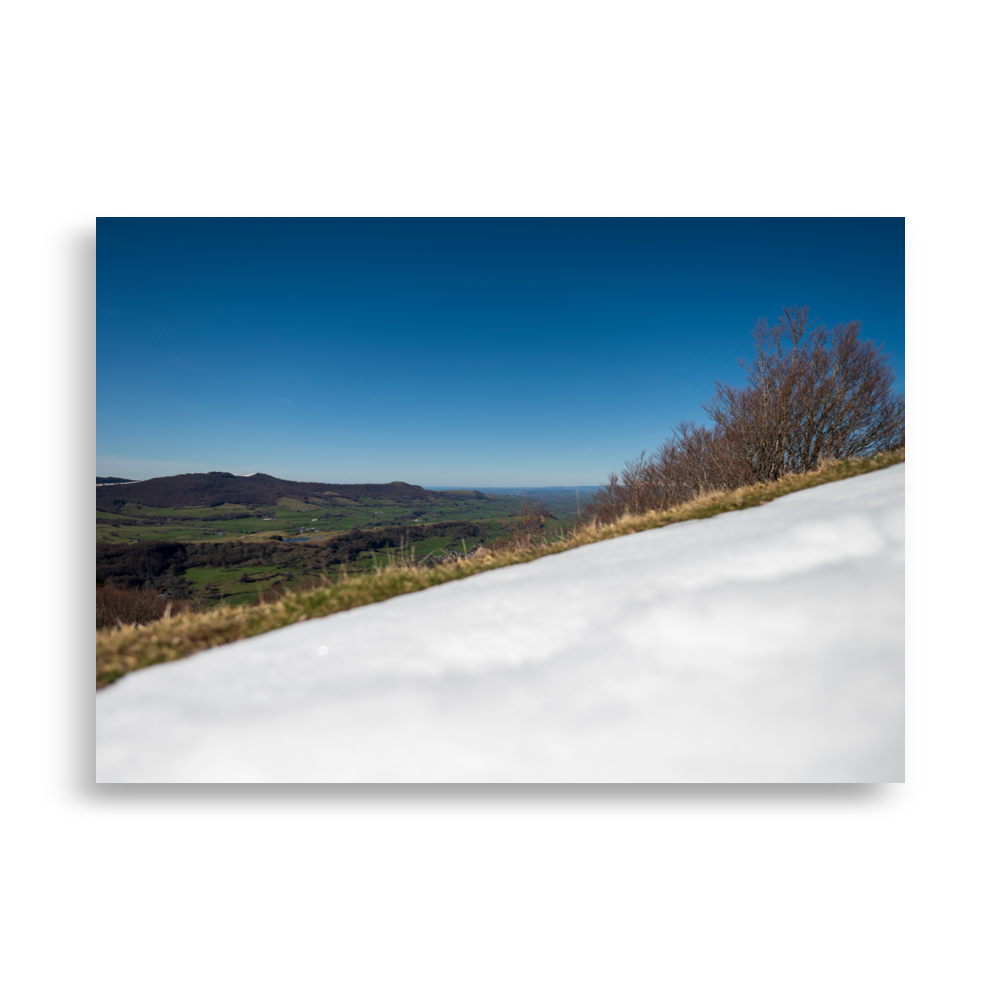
(763, 645)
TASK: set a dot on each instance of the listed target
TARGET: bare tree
(810, 395)
(525, 525)
(694, 461)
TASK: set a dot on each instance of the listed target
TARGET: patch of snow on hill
(757, 646)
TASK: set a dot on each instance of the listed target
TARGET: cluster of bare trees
(811, 395)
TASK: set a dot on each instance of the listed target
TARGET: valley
(251, 537)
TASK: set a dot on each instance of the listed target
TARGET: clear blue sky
(450, 352)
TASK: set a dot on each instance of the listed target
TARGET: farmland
(287, 518)
(233, 552)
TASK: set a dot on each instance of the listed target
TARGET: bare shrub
(277, 591)
(525, 527)
(811, 395)
(120, 606)
(696, 460)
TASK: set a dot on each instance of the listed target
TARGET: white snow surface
(763, 645)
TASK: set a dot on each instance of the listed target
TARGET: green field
(287, 518)
(217, 585)
(314, 526)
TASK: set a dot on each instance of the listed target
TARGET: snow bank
(757, 646)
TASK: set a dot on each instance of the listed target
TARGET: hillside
(760, 645)
(212, 489)
(201, 543)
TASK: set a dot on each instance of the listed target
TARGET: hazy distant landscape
(222, 538)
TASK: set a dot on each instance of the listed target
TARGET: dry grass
(128, 648)
(117, 606)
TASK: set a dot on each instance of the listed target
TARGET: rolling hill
(212, 489)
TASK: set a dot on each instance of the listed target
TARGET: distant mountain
(210, 489)
(550, 491)
(104, 480)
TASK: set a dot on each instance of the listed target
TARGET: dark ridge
(462, 494)
(210, 489)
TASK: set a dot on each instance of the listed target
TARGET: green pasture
(437, 545)
(223, 585)
(285, 520)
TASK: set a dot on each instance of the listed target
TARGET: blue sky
(450, 352)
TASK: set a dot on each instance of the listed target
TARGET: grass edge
(133, 647)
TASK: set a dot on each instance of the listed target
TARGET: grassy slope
(133, 647)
